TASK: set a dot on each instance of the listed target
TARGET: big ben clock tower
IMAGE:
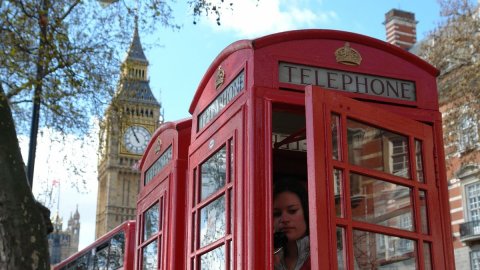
(131, 118)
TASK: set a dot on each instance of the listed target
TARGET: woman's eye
(292, 211)
(276, 214)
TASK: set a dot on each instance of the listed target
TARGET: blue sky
(178, 65)
(178, 60)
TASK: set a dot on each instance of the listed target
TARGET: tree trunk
(23, 233)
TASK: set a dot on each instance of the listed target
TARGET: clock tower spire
(130, 119)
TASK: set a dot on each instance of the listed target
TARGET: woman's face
(288, 215)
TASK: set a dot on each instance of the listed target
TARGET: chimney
(401, 28)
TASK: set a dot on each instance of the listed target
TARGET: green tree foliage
(454, 48)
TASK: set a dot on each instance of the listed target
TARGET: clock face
(136, 139)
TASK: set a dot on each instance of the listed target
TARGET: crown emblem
(158, 145)
(348, 56)
(220, 77)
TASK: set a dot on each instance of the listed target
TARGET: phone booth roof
(360, 66)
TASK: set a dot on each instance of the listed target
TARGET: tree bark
(23, 233)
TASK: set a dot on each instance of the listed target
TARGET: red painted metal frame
(259, 59)
(128, 227)
(319, 106)
(171, 184)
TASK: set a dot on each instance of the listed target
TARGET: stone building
(63, 243)
(131, 118)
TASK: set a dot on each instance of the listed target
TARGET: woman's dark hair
(295, 186)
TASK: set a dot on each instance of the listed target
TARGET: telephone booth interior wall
(355, 118)
(161, 200)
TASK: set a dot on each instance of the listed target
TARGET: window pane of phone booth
(101, 257)
(419, 161)
(381, 202)
(230, 203)
(341, 248)
(150, 258)
(338, 191)
(213, 173)
(151, 221)
(377, 149)
(380, 251)
(427, 258)
(212, 221)
(214, 259)
(335, 126)
(423, 211)
(117, 251)
(232, 161)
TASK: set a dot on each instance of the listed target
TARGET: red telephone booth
(161, 204)
(353, 117)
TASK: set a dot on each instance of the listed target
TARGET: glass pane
(231, 198)
(117, 249)
(427, 256)
(150, 258)
(195, 191)
(377, 149)
(340, 248)
(213, 173)
(419, 161)
(194, 232)
(336, 137)
(381, 202)
(423, 211)
(212, 221)
(230, 248)
(151, 221)
(214, 259)
(380, 251)
(475, 259)
(101, 257)
(82, 262)
(338, 191)
(232, 163)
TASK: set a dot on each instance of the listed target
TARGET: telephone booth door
(372, 183)
(161, 200)
(212, 198)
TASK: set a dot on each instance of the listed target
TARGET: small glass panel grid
(151, 221)
(423, 211)
(213, 173)
(214, 259)
(419, 161)
(381, 202)
(101, 258)
(335, 127)
(473, 199)
(475, 259)
(338, 191)
(380, 251)
(212, 221)
(150, 258)
(340, 248)
(427, 257)
(117, 251)
(232, 161)
(377, 149)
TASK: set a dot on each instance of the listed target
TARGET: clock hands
(135, 135)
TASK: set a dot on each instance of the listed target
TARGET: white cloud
(73, 163)
(250, 18)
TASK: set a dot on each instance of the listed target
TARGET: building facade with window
(462, 151)
(461, 140)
